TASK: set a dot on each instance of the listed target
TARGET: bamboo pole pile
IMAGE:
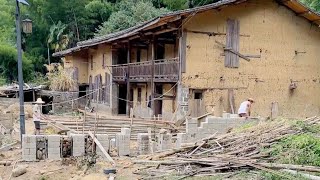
(247, 149)
(113, 125)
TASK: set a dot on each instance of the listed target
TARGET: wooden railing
(164, 70)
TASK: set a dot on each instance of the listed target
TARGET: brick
(164, 141)
(52, 156)
(54, 138)
(53, 151)
(143, 143)
(123, 144)
(125, 131)
(29, 138)
(29, 157)
(78, 145)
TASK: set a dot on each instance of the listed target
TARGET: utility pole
(20, 74)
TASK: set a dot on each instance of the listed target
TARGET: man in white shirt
(37, 115)
(245, 108)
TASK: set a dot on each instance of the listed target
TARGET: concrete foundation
(54, 142)
(29, 143)
(164, 142)
(104, 140)
(123, 144)
(143, 143)
(78, 145)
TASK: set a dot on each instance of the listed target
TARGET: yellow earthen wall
(97, 61)
(81, 63)
(271, 30)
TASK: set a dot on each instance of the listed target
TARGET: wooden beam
(101, 148)
(233, 51)
(315, 20)
(165, 31)
(303, 13)
(204, 32)
(153, 44)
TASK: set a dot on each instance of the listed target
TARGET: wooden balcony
(165, 70)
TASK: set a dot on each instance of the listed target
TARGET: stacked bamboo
(113, 125)
(228, 152)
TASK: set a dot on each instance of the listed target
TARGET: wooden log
(18, 171)
(290, 166)
(195, 150)
(5, 163)
(232, 51)
(101, 148)
(205, 115)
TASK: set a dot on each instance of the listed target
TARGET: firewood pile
(237, 150)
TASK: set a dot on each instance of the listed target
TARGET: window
(233, 30)
(139, 95)
(198, 95)
(91, 62)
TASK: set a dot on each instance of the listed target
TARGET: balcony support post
(128, 81)
(152, 74)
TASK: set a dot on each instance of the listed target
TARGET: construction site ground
(261, 151)
(68, 169)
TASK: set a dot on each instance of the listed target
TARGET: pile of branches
(247, 149)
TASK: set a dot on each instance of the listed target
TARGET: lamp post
(20, 75)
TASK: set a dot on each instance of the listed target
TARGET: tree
(313, 4)
(57, 39)
(128, 14)
(8, 64)
(195, 3)
(7, 26)
(176, 5)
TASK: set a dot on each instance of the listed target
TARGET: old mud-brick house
(207, 58)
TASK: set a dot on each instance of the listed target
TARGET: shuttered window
(91, 62)
(107, 89)
(232, 44)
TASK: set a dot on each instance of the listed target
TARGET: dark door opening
(158, 103)
(83, 89)
(122, 104)
(160, 51)
(122, 56)
(138, 55)
(47, 106)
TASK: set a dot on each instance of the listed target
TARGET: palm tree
(57, 40)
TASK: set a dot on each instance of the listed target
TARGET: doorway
(160, 51)
(122, 56)
(158, 102)
(122, 104)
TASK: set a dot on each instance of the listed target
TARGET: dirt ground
(59, 170)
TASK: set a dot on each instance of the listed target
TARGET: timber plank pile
(113, 125)
(226, 153)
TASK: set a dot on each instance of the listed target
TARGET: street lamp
(20, 75)
(27, 26)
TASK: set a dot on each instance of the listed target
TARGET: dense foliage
(60, 24)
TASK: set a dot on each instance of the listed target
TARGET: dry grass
(15, 110)
(60, 79)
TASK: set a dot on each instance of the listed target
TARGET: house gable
(288, 46)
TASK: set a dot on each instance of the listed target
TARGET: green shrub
(301, 149)
(8, 64)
